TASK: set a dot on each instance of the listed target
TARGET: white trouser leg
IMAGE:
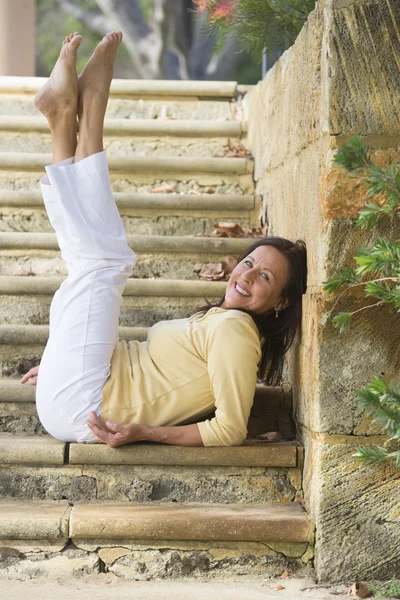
(84, 314)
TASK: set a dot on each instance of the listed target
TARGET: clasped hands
(114, 434)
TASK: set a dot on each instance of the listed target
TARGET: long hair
(278, 334)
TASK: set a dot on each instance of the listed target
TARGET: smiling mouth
(241, 291)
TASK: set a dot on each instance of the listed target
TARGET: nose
(248, 276)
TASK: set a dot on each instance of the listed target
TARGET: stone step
(138, 87)
(141, 174)
(145, 542)
(138, 137)
(145, 214)
(213, 522)
(47, 451)
(26, 300)
(33, 161)
(137, 108)
(169, 257)
(41, 468)
(271, 411)
(142, 128)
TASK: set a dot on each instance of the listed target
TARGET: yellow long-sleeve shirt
(185, 369)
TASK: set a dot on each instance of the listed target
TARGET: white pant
(84, 313)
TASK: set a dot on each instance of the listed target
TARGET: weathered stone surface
(27, 521)
(31, 220)
(151, 484)
(195, 484)
(29, 483)
(201, 564)
(349, 79)
(31, 450)
(356, 507)
(69, 562)
(127, 108)
(268, 454)
(255, 522)
(151, 146)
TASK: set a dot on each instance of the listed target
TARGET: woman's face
(257, 281)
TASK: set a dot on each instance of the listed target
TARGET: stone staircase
(143, 511)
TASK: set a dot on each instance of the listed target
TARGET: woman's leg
(84, 315)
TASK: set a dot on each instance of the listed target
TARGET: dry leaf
(278, 587)
(212, 272)
(164, 189)
(228, 229)
(285, 575)
(238, 151)
(194, 192)
(218, 271)
(359, 589)
(210, 191)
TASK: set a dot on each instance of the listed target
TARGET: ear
(282, 304)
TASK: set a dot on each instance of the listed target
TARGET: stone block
(145, 561)
(69, 562)
(268, 455)
(355, 507)
(31, 450)
(34, 521)
(275, 522)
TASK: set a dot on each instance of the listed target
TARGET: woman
(90, 386)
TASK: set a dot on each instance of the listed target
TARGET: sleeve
(233, 354)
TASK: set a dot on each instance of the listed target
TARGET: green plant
(386, 589)
(256, 24)
(382, 261)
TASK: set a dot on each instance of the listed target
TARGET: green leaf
(353, 156)
(341, 320)
(325, 318)
(347, 276)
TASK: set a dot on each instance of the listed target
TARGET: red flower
(201, 5)
(224, 10)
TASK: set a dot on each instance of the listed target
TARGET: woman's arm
(115, 435)
(178, 435)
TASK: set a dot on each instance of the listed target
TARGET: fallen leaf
(164, 189)
(218, 271)
(359, 589)
(238, 151)
(285, 575)
(228, 229)
(278, 587)
(212, 272)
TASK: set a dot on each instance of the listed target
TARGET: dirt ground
(108, 587)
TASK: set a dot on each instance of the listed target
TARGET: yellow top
(185, 369)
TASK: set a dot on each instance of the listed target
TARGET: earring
(276, 313)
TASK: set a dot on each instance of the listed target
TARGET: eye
(248, 262)
(265, 276)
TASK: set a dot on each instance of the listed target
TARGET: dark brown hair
(279, 333)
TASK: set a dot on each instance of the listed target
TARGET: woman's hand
(114, 434)
(31, 376)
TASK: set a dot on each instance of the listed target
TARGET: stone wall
(340, 78)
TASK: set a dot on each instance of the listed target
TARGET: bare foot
(95, 80)
(60, 93)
